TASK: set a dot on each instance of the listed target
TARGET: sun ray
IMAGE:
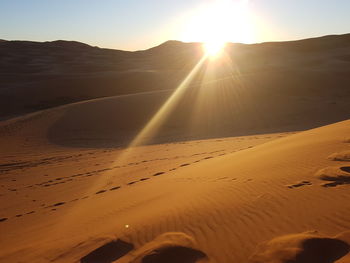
(160, 116)
(215, 25)
(155, 122)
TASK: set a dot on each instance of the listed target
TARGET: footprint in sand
(144, 179)
(59, 204)
(114, 188)
(3, 219)
(299, 184)
(100, 192)
(159, 173)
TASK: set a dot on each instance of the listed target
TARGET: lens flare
(213, 49)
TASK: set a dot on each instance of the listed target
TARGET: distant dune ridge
(39, 75)
(231, 170)
(260, 88)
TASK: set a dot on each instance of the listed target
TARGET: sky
(142, 24)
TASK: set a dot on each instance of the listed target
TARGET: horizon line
(170, 40)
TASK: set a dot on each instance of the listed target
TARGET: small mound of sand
(341, 156)
(301, 248)
(337, 175)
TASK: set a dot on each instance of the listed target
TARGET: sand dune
(62, 72)
(240, 166)
(201, 112)
(239, 199)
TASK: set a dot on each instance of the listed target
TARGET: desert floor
(281, 197)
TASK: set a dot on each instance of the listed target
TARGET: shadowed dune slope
(203, 111)
(220, 113)
(35, 76)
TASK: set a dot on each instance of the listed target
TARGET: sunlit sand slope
(220, 200)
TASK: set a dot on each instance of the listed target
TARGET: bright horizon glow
(213, 48)
(219, 22)
(142, 24)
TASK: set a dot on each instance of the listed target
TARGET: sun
(219, 22)
(213, 49)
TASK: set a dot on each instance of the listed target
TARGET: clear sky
(141, 24)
